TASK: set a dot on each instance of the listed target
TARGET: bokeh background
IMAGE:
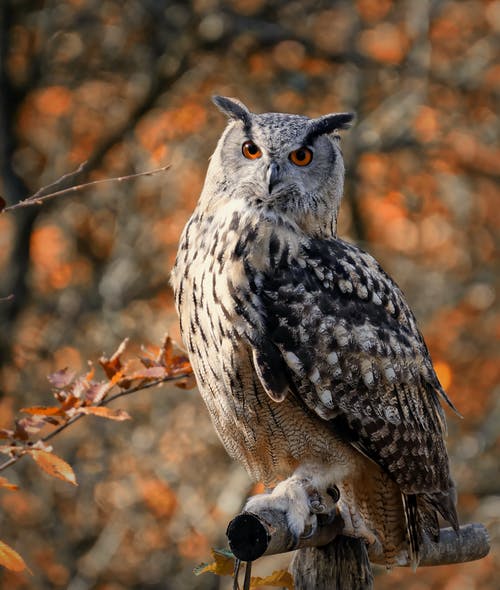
(126, 87)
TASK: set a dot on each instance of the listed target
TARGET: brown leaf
(11, 559)
(96, 392)
(186, 383)
(90, 375)
(112, 365)
(43, 411)
(27, 426)
(149, 374)
(104, 412)
(166, 352)
(62, 378)
(278, 579)
(222, 564)
(5, 483)
(147, 362)
(6, 433)
(53, 465)
(70, 402)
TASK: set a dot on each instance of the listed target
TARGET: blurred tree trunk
(14, 189)
(343, 564)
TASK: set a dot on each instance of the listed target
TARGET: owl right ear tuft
(329, 124)
(232, 108)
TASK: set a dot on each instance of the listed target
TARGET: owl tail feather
(421, 512)
(442, 502)
(413, 529)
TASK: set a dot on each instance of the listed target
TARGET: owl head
(284, 166)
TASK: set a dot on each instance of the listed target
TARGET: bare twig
(44, 190)
(38, 198)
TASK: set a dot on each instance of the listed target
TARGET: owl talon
(312, 528)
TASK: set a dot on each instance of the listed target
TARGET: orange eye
(250, 150)
(301, 157)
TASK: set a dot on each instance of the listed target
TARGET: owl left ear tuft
(232, 108)
(329, 124)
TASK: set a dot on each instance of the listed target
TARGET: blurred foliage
(126, 87)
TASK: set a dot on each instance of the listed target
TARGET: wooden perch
(252, 535)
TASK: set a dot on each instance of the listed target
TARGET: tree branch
(252, 535)
(104, 402)
(40, 196)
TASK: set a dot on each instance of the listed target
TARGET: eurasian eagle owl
(305, 351)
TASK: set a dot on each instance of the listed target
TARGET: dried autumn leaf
(149, 374)
(11, 559)
(6, 433)
(147, 362)
(104, 412)
(186, 383)
(90, 375)
(62, 378)
(166, 352)
(53, 465)
(5, 483)
(278, 579)
(70, 402)
(96, 392)
(181, 365)
(43, 411)
(27, 426)
(180, 360)
(112, 365)
(222, 564)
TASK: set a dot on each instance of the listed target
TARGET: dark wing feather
(355, 356)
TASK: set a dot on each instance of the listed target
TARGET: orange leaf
(11, 559)
(186, 383)
(5, 483)
(166, 352)
(53, 465)
(43, 411)
(90, 375)
(278, 579)
(104, 412)
(113, 364)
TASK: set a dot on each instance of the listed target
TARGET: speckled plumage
(305, 351)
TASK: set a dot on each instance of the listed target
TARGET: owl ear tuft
(329, 124)
(232, 108)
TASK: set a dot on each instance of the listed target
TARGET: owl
(305, 351)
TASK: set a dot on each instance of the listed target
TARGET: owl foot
(304, 505)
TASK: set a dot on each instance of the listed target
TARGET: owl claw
(312, 528)
(302, 503)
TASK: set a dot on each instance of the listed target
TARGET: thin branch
(36, 199)
(104, 402)
(70, 175)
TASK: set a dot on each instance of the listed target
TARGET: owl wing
(339, 335)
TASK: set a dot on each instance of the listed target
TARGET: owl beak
(273, 176)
